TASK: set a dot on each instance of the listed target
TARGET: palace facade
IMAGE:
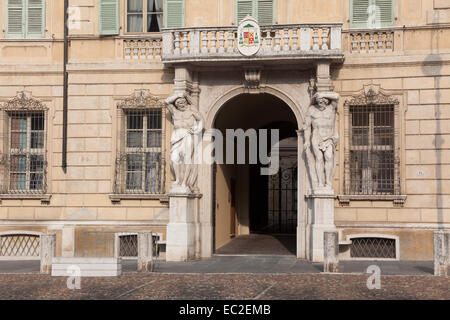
(85, 133)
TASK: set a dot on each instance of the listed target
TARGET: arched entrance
(254, 213)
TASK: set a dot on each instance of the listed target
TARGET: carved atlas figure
(188, 124)
(321, 136)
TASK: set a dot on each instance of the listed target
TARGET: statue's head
(322, 103)
(181, 103)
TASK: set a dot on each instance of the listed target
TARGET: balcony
(279, 43)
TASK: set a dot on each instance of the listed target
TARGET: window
(371, 13)
(262, 10)
(109, 17)
(24, 150)
(144, 15)
(25, 19)
(140, 164)
(372, 160)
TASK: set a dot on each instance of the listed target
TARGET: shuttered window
(262, 10)
(25, 19)
(371, 13)
(174, 13)
(109, 17)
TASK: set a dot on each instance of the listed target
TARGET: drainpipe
(65, 86)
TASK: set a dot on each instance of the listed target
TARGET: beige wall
(418, 71)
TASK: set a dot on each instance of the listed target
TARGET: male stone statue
(321, 135)
(187, 122)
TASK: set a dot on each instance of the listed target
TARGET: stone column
(441, 253)
(181, 228)
(47, 252)
(145, 252)
(322, 220)
(323, 77)
(331, 251)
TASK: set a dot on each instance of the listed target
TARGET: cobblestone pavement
(224, 286)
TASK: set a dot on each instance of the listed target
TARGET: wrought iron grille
(282, 201)
(19, 245)
(373, 248)
(140, 162)
(24, 160)
(372, 151)
(128, 245)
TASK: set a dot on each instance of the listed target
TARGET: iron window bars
(372, 163)
(24, 161)
(140, 161)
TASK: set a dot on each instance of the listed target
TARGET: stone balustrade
(371, 41)
(277, 41)
(146, 47)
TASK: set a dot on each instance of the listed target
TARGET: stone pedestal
(47, 252)
(181, 228)
(441, 253)
(331, 251)
(145, 252)
(322, 220)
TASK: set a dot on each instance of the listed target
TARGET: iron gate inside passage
(282, 201)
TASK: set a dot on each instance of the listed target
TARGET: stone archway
(206, 209)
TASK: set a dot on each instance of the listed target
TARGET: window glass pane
(18, 163)
(134, 162)
(154, 139)
(134, 139)
(36, 181)
(134, 180)
(154, 22)
(360, 136)
(154, 119)
(18, 181)
(360, 116)
(384, 116)
(135, 121)
(18, 140)
(383, 137)
(36, 163)
(19, 123)
(152, 173)
(135, 5)
(134, 23)
(37, 122)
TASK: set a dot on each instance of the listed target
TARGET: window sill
(398, 200)
(45, 198)
(116, 198)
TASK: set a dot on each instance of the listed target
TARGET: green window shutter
(15, 19)
(36, 19)
(358, 13)
(244, 8)
(386, 8)
(266, 12)
(109, 17)
(174, 13)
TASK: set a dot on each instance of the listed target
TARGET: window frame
(144, 21)
(373, 95)
(23, 104)
(25, 34)
(141, 102)
(353, 25)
